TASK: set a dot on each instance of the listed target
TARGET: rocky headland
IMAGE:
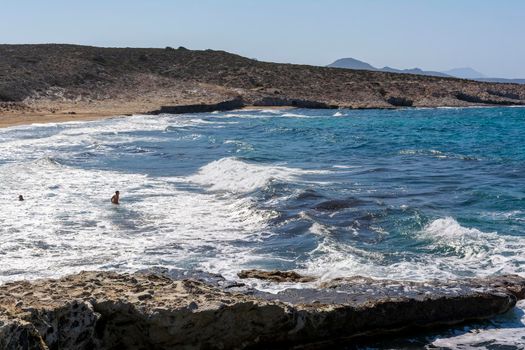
(67, 82)
(165, 309)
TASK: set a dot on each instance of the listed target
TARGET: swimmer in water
(20, 198)
(115, 197)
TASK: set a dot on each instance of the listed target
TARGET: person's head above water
(20, 197)
(115, 197)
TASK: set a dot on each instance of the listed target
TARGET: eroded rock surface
(105, 310)
(275, 276)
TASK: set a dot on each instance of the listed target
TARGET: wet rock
(504, 94)
(400, 101)
(192, 314)
(275, 276)
(486, 100)
(228, 105)
(271, 101)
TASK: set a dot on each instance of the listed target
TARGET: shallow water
(404, 194)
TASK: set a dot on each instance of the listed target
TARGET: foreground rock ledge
(104, 310)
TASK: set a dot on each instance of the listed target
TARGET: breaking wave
(384, 194)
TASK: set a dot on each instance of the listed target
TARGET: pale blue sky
(431, 34)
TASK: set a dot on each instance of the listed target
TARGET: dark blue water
(405, 194)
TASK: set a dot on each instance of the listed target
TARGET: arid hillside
(80, 79)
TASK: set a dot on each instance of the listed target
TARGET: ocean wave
(236, 176)
(319, 229)
(47, 161)
(240, 145)
(452, 251)
(338, 166)
(67, 212)
(295, 115)
(436, 154)
(271, 111)
(468, 243)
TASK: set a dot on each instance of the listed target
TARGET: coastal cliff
(180, 310)
(81, 80)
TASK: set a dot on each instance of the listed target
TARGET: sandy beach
(32, 118)
(112, 110)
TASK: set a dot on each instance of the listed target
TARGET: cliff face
(101, 310)
(58, 77)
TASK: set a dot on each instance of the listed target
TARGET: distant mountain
(462, 73)
(352, 63)
(414, 71)
(465, 73)
(472, 74)
(502, 80)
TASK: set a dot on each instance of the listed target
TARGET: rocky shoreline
(70, 82)
(173, 309)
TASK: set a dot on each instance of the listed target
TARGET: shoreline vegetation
(55, 83)
(169, 309)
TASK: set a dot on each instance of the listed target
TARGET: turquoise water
(405, 194)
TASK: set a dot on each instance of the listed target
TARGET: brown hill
(81, 79)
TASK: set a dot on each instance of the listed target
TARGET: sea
(406, 194)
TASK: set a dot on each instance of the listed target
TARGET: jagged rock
(105, 310)
(292, 102)
(275, 276)
(486, 100)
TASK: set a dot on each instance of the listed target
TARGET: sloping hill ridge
(53, 77)
(352, 63)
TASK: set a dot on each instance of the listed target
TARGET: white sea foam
(319, 229)
(295, 115)
(337, 166)
(26, 142)
(271, 111)
(66, 222)
(505, 331)
(235, 176)
(240, 145)
(452, 251)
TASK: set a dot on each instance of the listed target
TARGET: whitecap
(294, 115)
(271, 111)
(452, 251)
(236, 176)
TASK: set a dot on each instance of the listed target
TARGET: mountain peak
(462, 73)
(351, 63)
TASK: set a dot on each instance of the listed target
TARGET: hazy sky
(488, 35)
